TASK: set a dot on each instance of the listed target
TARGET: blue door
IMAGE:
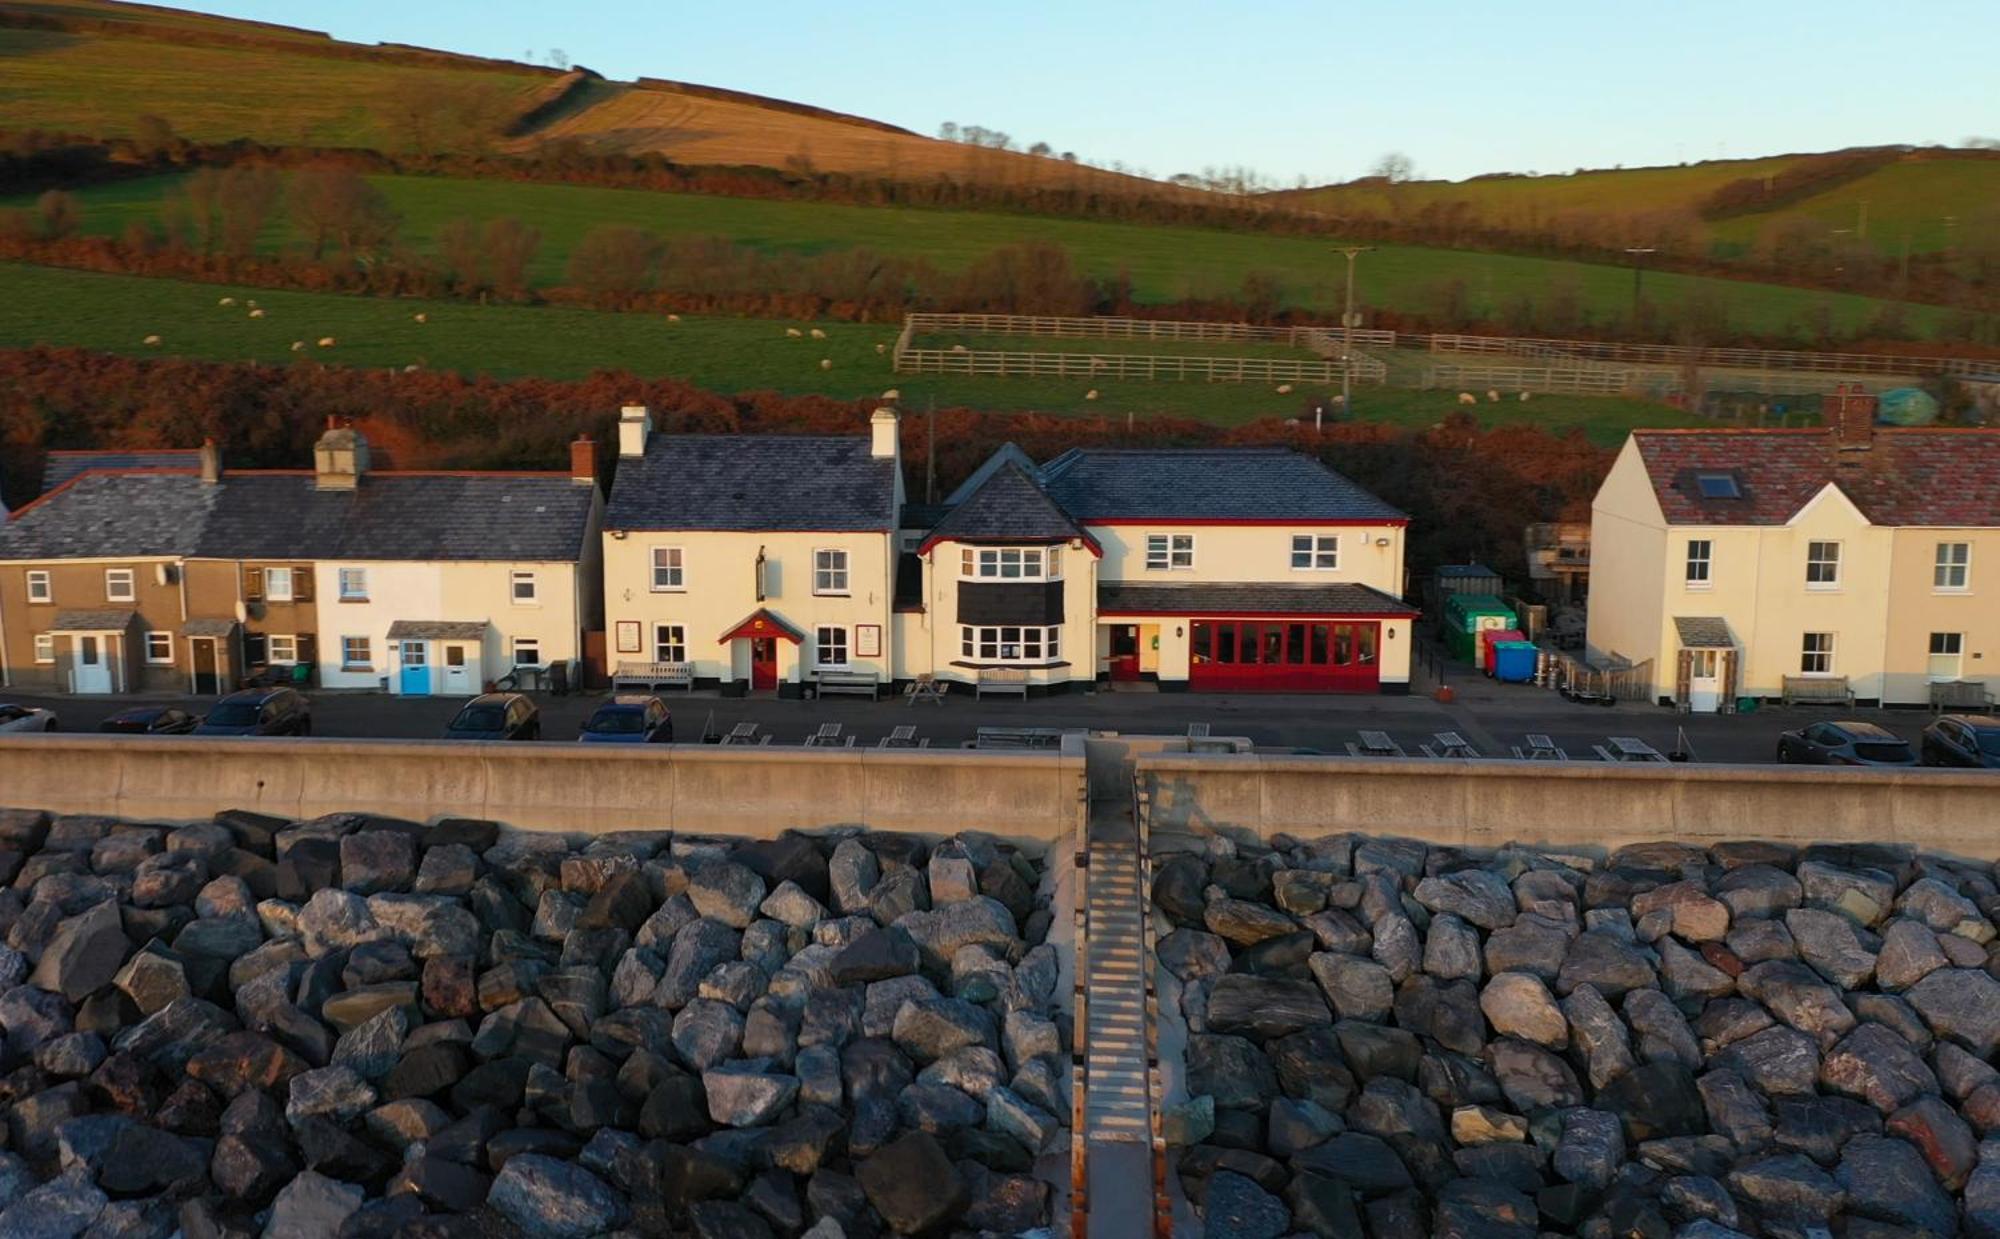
(416, 680)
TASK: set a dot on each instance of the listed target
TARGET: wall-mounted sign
(868, 640)
(628, 636)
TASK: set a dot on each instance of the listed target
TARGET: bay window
(1010, 644)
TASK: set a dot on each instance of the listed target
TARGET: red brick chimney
(1851, 413)
(583, 461)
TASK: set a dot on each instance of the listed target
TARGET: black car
(497, 716)
(629, 720)
(1963, 740)
(259, 712)
(1845, 744)
(151, 721)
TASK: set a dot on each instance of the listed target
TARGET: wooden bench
(645, 677)
(1960, 695)
(1817, 690)
(1001, 680)
(866, 683)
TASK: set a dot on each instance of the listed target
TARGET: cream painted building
(1734, 561)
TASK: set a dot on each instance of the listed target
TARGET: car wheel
(1784, 756)
(51, 726)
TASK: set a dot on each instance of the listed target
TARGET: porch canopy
(93, 621)
(208, 628)
(1703, 632)
(761, 623)
(437, 630)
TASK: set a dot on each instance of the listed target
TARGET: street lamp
(1349, 320)
(1638, 253)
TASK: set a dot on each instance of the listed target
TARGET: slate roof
(1258, 483)
(208, 628)
(1703, 632)
(1910, 476)
(92, 621)
(61, 466)
(1004, 455)
(1009, 506)
(280, 515)
(438, 630)
(1250, 598)
(754, 482)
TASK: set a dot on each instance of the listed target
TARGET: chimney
(583, 461)
(635, 426)
(1851, 413)
(882, 441)
(339, 458)
(211, 463)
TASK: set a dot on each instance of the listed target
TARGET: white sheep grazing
(826, 363)
(1492, 396)
(1284, 389)
(958, 348)
(326, 341)
(817, 334)
(1091, 394)
(1466, 397)
(154, 341)
(880, 349)
(420, 318)
(1524, 397)
(412, 368)
(892, 394)
(227, 301)
(252, 303)
(793, 333)
(673, 318)
(298, 346)
(256, 314)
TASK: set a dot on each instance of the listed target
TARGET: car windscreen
(481, 718)
(234, 714)
(1882, 750)
(616, 723)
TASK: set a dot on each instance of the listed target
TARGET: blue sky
(1286, 86)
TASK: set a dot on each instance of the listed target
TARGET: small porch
(754, 655)
(437, 658)
(1708, 668)
(214, 660)
(94, 651)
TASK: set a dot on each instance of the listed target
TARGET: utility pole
(930, 451)
(1638, 253)
(1349, 320)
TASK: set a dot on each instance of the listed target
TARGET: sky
(1287, 87)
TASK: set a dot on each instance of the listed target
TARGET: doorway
(93, 665)
(457, 679)
(763, 664)
(1704, 681)
(416, 678)
(1124, 653)
(207, 674)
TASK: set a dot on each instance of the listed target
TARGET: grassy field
(1165, 264)
(113, 313)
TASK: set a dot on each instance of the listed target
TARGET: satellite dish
(242, 611)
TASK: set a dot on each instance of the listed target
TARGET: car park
(1966, 740)
(259, 712)
(15, 718)
(497, 716)
(1845, 743)
(629, 720)
(151, 721)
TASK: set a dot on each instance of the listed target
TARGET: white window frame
(518, 577)
(131, 579)
(531, 644)
(1011, 643)
(1320, 550)
(827, 638)
(667, 639)
(352, 584)
(1819, 560)
(1807, 654)
(675, 580)
(1706, 561)
(1169, 552)
(1942, 568)
(830, 572)
(1957, 656)
(271, 578)
(1010, 563)
(157, 660)
(45, 647)
(367, 649)
(41, 587)
(272, 643)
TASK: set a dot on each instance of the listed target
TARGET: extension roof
(1252, 599)
(807, 483)
(1272, 484)
(1907, 476)
(1008, 506)
(171, 513)
(62, 466)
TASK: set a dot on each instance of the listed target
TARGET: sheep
(1466, 397)
(420, 318)
(252, 303)
(256, 314)
(673, 318)
(793, 333)
(412, 368)
(227, 301)
(1524, 397)
(1284, 389)
(1492, 396)
(892, 394)
(326, 341)
(817, 334)
(881, 349)
(151, 341)
(1091, 394)
(826, 363)
(298, 346)
(958, 348)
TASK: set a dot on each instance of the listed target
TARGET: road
(1492, 717)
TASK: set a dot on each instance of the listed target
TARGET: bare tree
(1394, 167)
(948, 131)
(60, 213)
(1041, 149)
(615, 262)
(459, 246)
(153, 135)
(339, 206)
(510, 246)
(244, 200)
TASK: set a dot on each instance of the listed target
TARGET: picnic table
(1449, 744)
(1018, 738)
(828, 737)
(926, 687)
(1628, 748)
(742, 733)
(1375, 744)
(903, 737)
(1540, 748)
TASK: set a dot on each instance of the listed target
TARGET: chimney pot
(583, 461)
(211, 462)
(635, 426)
(1852, 416)
(882, 434)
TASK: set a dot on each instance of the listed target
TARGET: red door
(763, 663)
(1125, 652)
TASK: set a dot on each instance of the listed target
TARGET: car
(1845, 743)
(497, 716)
(629, 720)
(1963, 740)
(151, 721)
(26, 718)
(259, 712)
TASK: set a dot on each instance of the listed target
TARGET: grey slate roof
(92, 621)
(208, 628)
(754, 482)
(1274, 484)
(1009, 506)
(280, 515)
(1703, 632)
(438, 630)
(1005, 454)
(61, 466)
(1250, 598)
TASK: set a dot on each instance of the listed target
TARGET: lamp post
(1349, 320)
(1638, 253)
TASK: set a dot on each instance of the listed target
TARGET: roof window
(1717, 486)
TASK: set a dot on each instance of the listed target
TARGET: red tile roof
(1945, 478)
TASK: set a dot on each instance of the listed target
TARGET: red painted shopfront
(1290, 656)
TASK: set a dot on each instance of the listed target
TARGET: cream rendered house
(1736, 561)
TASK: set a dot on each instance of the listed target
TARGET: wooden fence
(1569, 380)
(998, 363)
(1133, 329)
(1678, 355)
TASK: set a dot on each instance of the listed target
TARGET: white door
(93, 665)
(1704, 681)
(457, 678)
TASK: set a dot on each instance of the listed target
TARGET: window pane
(1302, 551)
(1319, 645)
(1295, 644)
(1364, 643)
(1343, 645)
(1225, 643)
(1202, 642)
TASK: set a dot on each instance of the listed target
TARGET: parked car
(1963, 740)
(26, 718)
(259, 712)
(497, 716)
(151, 721)
(1845, 744)
(629, 720)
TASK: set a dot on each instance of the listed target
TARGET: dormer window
(1717, 486)
(1010, 563)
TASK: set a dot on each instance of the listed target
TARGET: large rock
(912, 1185)
(312, 1206)
(1828, 942)
(85, 954)
(727, 892)
(941, 933)
(1359, 989)
(1877, 1066)
(1962, 1004)
(747, 1098)
(1655, 1100)
(1517, 1004)
(1478, 896)
(549, 1198)
(1886, 1179)
(1239, 1209)
(1788, 1190)
(1604, 962)
(1265, 1007)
